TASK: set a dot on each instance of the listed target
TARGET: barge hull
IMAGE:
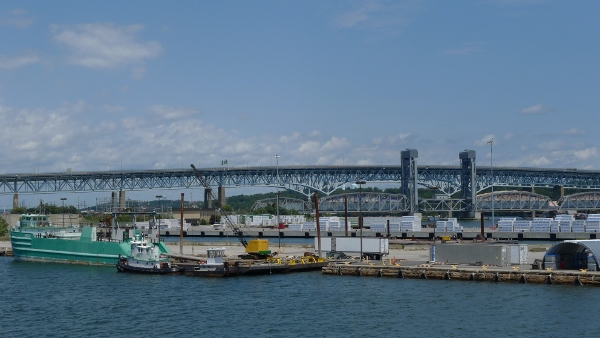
(27, 247)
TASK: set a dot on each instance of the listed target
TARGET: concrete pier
(450, 272)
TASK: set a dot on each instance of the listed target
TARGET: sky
(106, 85)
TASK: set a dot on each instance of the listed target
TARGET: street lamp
(360, 218)
(161, 210)
(491, 143)
(277, 201)
(63, 199)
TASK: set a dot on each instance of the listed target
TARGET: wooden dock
(453, 272)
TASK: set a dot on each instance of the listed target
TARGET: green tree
(3, 227)
(18, 210)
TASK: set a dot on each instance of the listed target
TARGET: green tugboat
(36, 239)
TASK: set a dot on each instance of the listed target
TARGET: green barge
(45, 245)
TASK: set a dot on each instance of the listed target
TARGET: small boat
(213, 266)
(146, 258)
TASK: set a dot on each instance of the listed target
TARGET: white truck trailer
(372, 248)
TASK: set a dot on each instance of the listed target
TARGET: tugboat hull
(164, 268)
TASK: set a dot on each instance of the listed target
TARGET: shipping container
(479, 254)
(371, 247)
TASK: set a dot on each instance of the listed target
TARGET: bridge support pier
(122, 200)
(221, 196)
(207, 199)
(15, 201)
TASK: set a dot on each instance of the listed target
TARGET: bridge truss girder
(537, 177)
(514, 201)
(368, 202)
(580, 201)
(437, 205)
(302, 206)
(503, 201)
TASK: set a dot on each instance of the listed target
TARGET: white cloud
(18, 61)
(574, 132)
(289, 138)
(309, 147)
(586, 154)
(394, 141)
(377, 140)
(551, 145)
(378, 16)
(106, 45)
(542, 161)
(400, 138)
(535, 109)
(17, 18)
(112, 109)
(170, 113)
(335, 143)
(358, 16)
(484, 141)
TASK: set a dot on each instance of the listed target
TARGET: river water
(54, 300)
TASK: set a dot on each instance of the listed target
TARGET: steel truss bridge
(374, 202)
(465, 180)
(302, 179)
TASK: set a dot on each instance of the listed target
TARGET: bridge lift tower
(409, 178)
(467, 181)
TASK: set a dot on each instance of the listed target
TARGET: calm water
(54, 300)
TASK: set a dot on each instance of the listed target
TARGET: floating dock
(453, 272)
(193, 266)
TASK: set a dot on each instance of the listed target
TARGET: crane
(224, 215)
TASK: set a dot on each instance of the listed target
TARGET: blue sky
(161, 84)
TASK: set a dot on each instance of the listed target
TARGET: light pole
(277, 201)
(491, 143)
(63, 199)
(360, 218)
(160, 202)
